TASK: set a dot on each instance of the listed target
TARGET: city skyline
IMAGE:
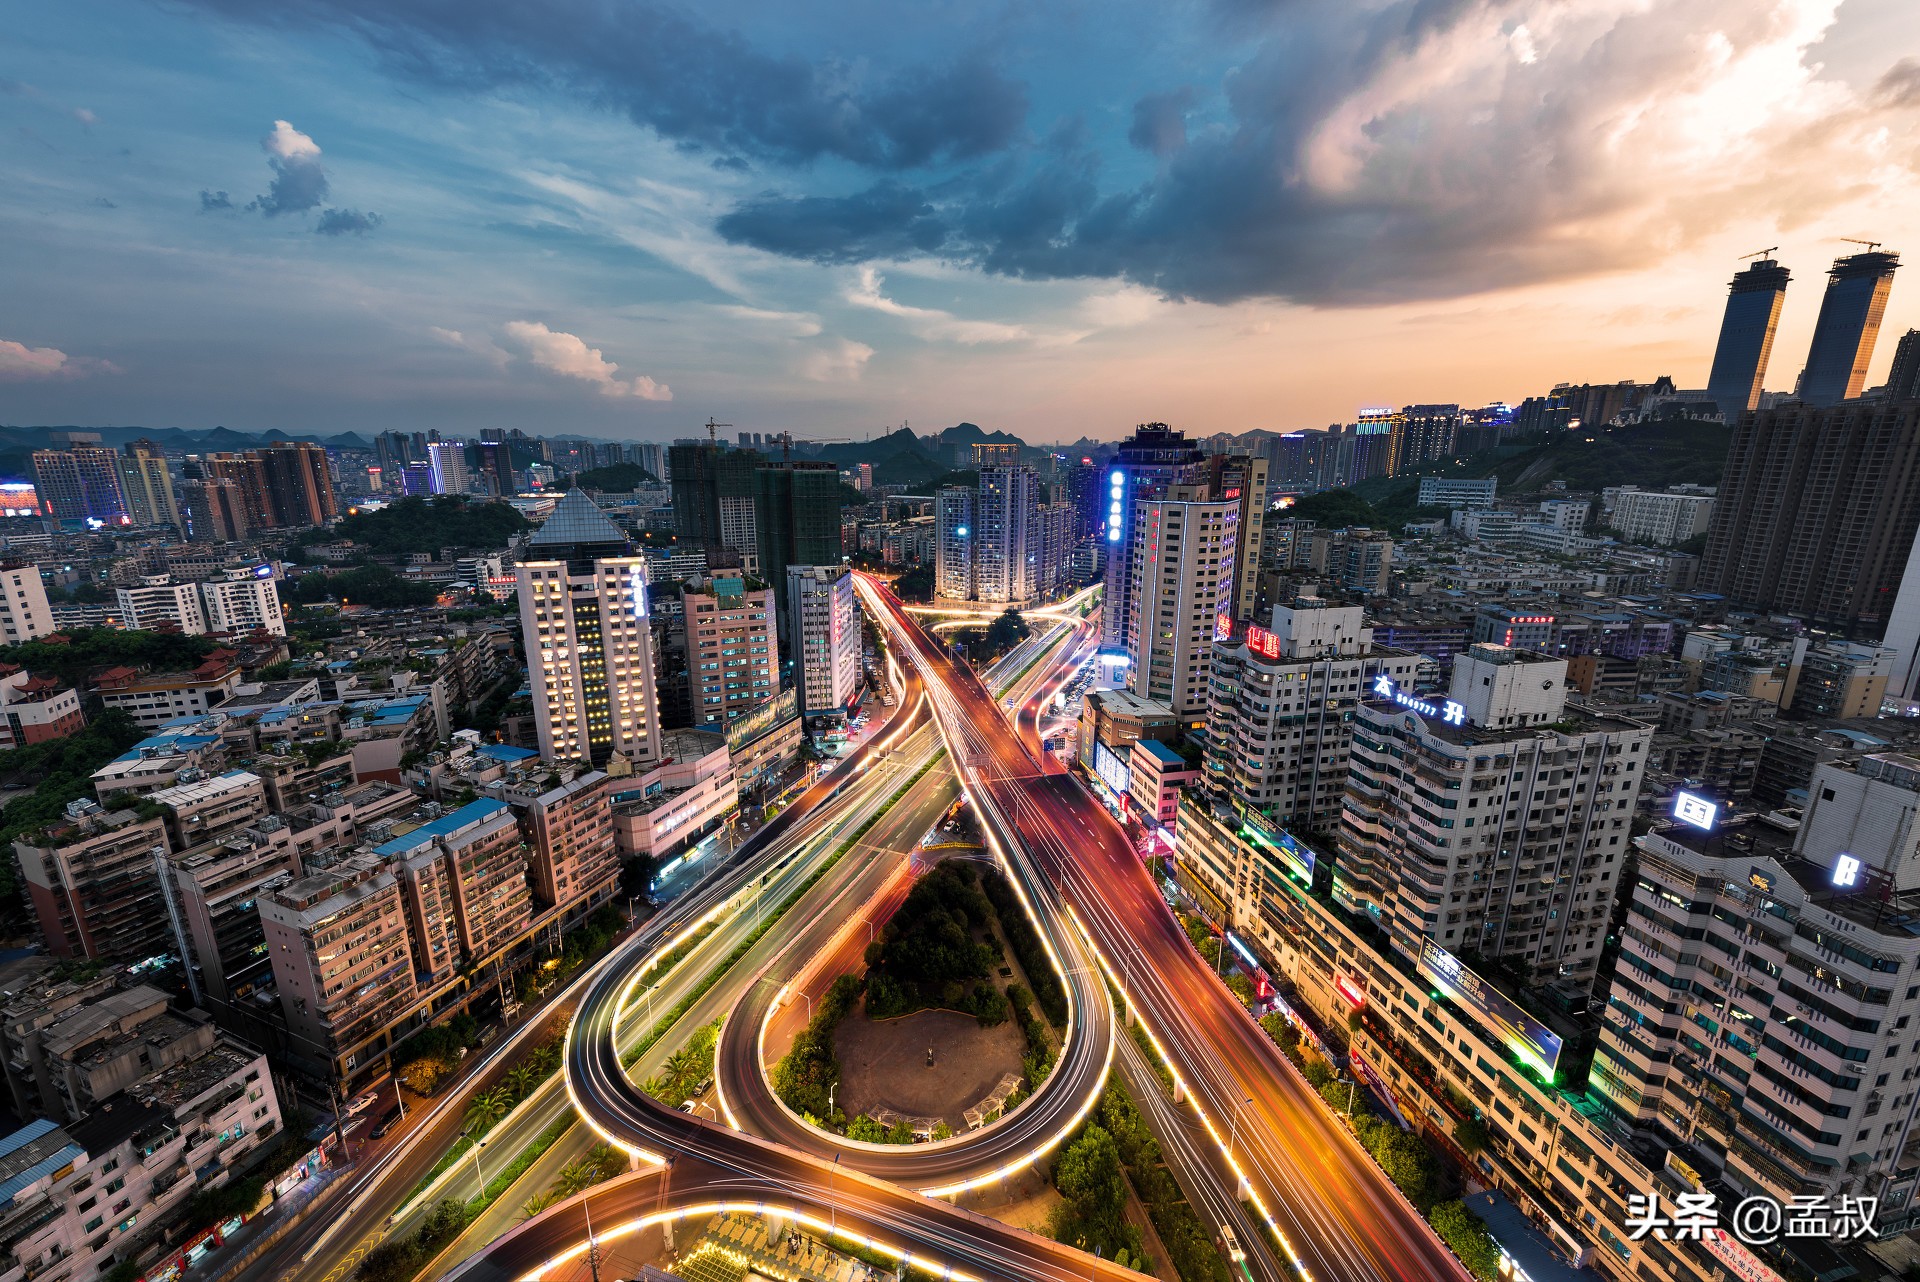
(411, 229)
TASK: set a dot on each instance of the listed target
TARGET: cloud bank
(1335, 154)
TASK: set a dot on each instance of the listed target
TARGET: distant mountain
(178, 438)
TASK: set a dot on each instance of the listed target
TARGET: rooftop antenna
(1768, 252)
(1870, 244)
(713, 431)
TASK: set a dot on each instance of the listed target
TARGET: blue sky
(1062, 219)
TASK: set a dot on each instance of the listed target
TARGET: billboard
(1112, 768)
(1524, 1035)
(775, 712)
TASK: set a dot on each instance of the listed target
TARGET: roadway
(377, 1200)
(1337, 1212)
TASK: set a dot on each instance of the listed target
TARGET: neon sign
(1451, 711)
(1698, 811)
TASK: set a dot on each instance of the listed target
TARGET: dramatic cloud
(346, 222)
(299, 183)
(1404, 149)
(22, 364)
(687, 81)
(564, 354)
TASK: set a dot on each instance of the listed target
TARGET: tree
(1467, 1234)
(575, 1177)
(523, 1079)
(485, 1109)
(1089, 1178)
(394, 1260)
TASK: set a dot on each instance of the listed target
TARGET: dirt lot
(884, 1065)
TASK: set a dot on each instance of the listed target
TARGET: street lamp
(478, 1172)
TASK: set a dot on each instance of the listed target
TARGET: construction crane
(1768, 252)
(1870, 244)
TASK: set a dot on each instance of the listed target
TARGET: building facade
(824, 636)
(585, 619)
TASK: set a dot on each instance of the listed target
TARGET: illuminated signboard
(1846, 872)
(1295, 858)
(1690, 808)
(1524, 1035)
(1450, 711)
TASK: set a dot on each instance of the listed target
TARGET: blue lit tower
(1754, 298)
(1850, 314)
(1152, 459)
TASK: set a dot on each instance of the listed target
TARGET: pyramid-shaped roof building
(577, 531)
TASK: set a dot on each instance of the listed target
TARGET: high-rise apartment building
(1183, 583)
(1644, 516)
(299, 484)
(1280, 708)
(342, 959)
(242, 601)
(486, 871)
(238, 602)
(448, 461)
(569, 830)
(161, 604)
(1776, 1044)
(495, 473)
(1754, 298)
(584, 619)
(1242, 479)
(213, 509)
(1006, 535)
(81, 484)
(91, 879)
(713, 503)
(796, 518)
(823, 630)
(1431, 434)
(733, 659)
(1817, 512)
(1354, 560)
(1495, 821)
(953, 516)
(24, 611)
(1903, 379)
(147, 486)
(1850, 316)
(1154, 458)
(1057, 522)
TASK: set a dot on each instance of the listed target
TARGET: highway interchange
(1291, 1164)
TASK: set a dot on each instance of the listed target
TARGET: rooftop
(31, 1153)
(472, 813)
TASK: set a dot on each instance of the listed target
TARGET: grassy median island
(939, 1035)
